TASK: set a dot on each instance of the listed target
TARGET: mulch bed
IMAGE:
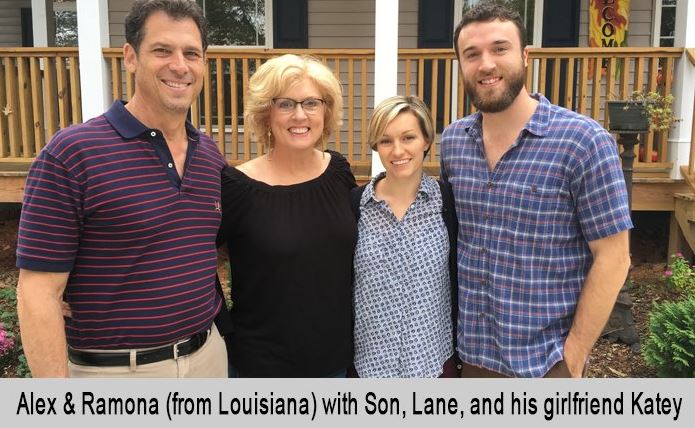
(609, 359)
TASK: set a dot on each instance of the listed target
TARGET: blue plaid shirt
(524, 228)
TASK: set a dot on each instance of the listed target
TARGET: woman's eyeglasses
(288, 105)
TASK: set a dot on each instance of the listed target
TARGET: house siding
(350, 24)
(118, 9)
(335, 24)
(11, 22)
(332, 24)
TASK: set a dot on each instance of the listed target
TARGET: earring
(269, 144)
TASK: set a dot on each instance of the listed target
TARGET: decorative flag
(608, 22)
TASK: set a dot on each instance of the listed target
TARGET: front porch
(40, 93)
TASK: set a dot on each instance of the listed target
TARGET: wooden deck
(649, 194)
(12, 177)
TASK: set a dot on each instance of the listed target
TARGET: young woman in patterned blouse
(402, 298)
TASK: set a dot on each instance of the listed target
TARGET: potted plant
(641, 113)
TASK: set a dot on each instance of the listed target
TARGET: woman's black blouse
(290, 250)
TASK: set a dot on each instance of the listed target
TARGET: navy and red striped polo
(103, 201)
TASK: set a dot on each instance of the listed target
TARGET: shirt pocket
(539, 212)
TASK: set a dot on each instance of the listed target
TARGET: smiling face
(297, 129)
(402, 147)
(492, 64)
(169, 65)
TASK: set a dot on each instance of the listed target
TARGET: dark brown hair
(486, 12)
(176, 9)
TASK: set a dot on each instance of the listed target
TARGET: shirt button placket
(484, 261)
(401, 250)
(398, 280)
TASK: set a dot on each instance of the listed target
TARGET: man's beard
(515, 81)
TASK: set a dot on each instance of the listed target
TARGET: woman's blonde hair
(388, 109)
(276, 76)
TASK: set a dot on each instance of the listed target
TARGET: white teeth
(299, 130)
(401, 162)
(175, 84)
(489, 81)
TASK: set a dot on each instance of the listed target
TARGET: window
(667, 23)
(230, 22)
(65, 13)
(26, 26)
(236, 22)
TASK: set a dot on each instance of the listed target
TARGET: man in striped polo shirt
(542, 209)
(119, 218)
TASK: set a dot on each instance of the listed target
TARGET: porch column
(43, 23)
(93, 35)
(385, 59)
(683, 88)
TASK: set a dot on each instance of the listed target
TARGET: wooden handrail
(38, 52)
(240, 52)
(690, 52)
(424, 53)
(607, 52)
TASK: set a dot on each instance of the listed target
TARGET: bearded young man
(542, 209)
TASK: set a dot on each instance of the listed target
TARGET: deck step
(690, 197)
(687, 201)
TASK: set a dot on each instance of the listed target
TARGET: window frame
(659, 6)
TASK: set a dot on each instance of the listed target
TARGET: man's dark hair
(486, 12)
(176, 9)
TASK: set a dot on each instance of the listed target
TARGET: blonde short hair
(276, 76)
(388, 109)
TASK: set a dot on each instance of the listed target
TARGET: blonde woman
(289, 230)
(405, 256)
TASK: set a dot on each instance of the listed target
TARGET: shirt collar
(129, 127)
(540, 120)
(537, 124)
(427, 187)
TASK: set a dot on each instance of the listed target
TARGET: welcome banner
(608, 23)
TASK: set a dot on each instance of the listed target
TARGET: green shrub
(670, 347)
(680, 274)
